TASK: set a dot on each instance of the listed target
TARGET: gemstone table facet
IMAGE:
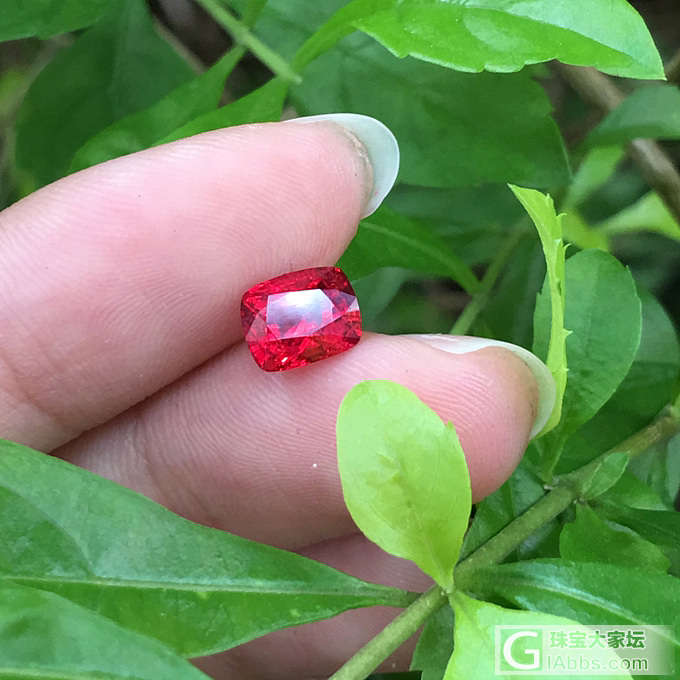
(297, 318)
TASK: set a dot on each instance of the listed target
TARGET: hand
(121, 351)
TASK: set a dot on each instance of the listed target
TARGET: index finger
(119, 279)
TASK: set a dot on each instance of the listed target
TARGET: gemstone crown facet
(301, 317)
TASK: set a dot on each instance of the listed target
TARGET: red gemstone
(297, 318)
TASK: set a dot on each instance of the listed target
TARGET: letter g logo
(534, 653)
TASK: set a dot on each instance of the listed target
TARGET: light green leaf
(263, 105)
(650, 112)
(648, 213)
(607, 473)
(503, 130)
(43, 635)
(116, 68)
(474, 654)
(589, 592)
(146, 128)
(500, 35)
(404, 476)
(198, 590)
(45, 18)
(548, 224)
(589, 539)
(388, 239)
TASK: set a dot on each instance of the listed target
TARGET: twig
(567, 490)
(657, 168)
(242, 35)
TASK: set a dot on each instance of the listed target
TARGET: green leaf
(43, 635)
(475, 638)
(375, 291)
(548, 224)
(648, 213)
(503, 131)
(496, 511)
(589, 539)
(607, 473)
(404, 476)
(435, 645)
(592, 593)
(500, 35)
(116, 68)
(388, 239)
(632, 492)
(650, 112)
(595, 169)
(263, 105)
(646, 389)
(45, 18)
(146, 128)
(662, 527)
(198, 590)
(603, 313)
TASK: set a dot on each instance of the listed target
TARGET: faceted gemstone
(297, 318)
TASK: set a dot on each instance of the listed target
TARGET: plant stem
(658, 169)
(476, 305)
(241, 35)
(673, 68)
(567, 490)
(389, 638)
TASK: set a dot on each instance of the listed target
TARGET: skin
(121, 351)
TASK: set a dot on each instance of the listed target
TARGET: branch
(657, 168)
(568, 489)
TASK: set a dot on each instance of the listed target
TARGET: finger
(120, 278)
(254, 452)
(317, 650)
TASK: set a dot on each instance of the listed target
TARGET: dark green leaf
(476, 636)
(496, 511)
(603, 313)
(607, 473)
(652, 112)
(503, 131)
(260, 106)
(589, 592)
(659, 526)
(44, 18)
(404, 476)
(646, 389)
(146, 128)
(387, 239)
(43, 635)
(116, 68)
(501, 35)
(633, 492)
(435, 645)
(589, 539)
(375, 291)
(196, 589)
(474, 221)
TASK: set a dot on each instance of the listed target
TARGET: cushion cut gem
(297, 318)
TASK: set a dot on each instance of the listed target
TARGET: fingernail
(380, 145)
(460, 344)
